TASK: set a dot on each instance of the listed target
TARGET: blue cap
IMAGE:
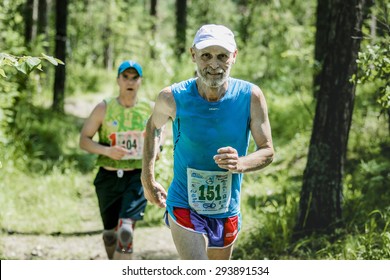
(130, 64)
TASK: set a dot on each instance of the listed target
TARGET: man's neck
(127, 102)
(211, 94)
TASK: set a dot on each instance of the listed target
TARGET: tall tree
(339, 25)
(153, 15)
(181, 27)
(28, 21)
(246, 8)
(153, 11)
(108, 59)
(42, 23)
(42, 17)
(60, 53)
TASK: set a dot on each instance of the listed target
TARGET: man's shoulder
(183, 85)
(242, 86)
(240, 81)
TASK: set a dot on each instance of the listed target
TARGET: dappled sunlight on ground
(154, 243)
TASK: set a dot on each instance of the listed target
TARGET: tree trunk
(42, 17)
(60, 53)
(108, 48)
(324, 13)
(29, 22)
(153, 8)
(42, 21)
(153, 15)
(246, 9)
(181, 27)
(107, 42)
(339, 25)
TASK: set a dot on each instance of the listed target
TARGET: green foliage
(42, 179)
(268, 230)
(58, 202)
(374, 58)
(277, 53)
(270, 198)
(46, 180)
(25, 64)
(87, 80)
(362, 188)
(8, 93)
(374, 65)
(218, 11)
(290, 116)
(46, 140)
(11, 26)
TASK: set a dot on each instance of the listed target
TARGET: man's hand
(116, 152)
(155, 194)
(227, 158)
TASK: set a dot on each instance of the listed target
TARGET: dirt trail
(153, 243)
(83, 106)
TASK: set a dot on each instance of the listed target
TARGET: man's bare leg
(109, 238)
(125, 232)
(220, 254)
(122, 256)
(190, 245)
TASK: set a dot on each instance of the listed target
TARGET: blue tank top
(200, 129)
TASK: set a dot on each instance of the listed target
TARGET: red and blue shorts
(221, 232)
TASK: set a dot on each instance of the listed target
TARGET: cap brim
(131, 67)
(209, 43)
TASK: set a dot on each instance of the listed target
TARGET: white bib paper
(209, 192)
(133, 141)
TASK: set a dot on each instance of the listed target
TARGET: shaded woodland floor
(154, 243)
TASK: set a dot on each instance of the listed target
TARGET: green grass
(271, 199)
(54, 202)
(50, 203)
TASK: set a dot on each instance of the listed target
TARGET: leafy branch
(374, 66)
(25, 64)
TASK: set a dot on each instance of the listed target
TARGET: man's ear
(235, 56)
(192, 51)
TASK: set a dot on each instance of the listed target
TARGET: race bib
(133, 141)
(209, 192)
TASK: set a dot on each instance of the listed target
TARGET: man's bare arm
(164, 109)
(90, 128)
(228, 158)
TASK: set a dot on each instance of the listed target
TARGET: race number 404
(133, 141)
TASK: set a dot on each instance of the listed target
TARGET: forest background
(46, 180)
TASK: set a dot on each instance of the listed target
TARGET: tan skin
(213, 68)
(129, 82)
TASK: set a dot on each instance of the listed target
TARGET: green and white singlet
(124, 127)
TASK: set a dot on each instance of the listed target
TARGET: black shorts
(119, 197)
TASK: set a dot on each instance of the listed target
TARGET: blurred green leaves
(374, 66)
(25, 64)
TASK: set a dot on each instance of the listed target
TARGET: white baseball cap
(215, 35)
